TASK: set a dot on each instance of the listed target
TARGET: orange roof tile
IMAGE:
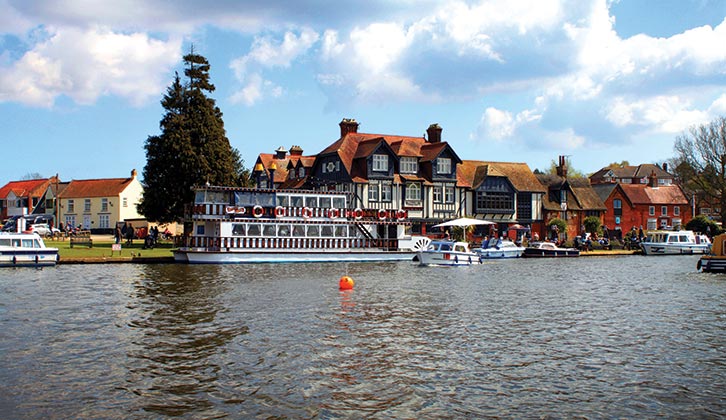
(81, 188)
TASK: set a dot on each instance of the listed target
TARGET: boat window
(459, 248)
(341, 231)
(326, 231)
(325, 202)
(339, 202)
(431, 247)
(283, 230)
(200, 229)
(446, 247)
(311, 202)
(313, 231)
(254, 198)
(254, 230)
(238, 229)
(199, 197)
(36, 243)
(269, 230)
(16, 242)
(296, 201)
(27, 243)
(673, 239)
(5, 242)
(298, 231)
(283, 200)
(683, 238)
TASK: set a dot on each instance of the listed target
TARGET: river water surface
(597, 337)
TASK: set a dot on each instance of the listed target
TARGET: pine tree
(191, 150)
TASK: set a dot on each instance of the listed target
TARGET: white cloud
(85, 65)
(255, 90)
(666, 114)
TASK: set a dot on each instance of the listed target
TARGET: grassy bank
(102, 249)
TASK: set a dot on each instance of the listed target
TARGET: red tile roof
(27, 188)
(644, 194)
(95, 187)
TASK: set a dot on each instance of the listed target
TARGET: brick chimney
(653, 180)
(280, 153)
(348, 125)
(434, 133)
(296, 151)
(562, 167)
(665, 167)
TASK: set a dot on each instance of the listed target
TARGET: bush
(592, 224)
(702, 224)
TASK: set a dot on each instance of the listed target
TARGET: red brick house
(289, 170)
(650, 206)
(23, 197)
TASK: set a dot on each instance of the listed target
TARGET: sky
(599, 81)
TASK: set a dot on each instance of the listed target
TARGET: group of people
(125, 231)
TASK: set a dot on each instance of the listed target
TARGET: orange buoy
(346, 283)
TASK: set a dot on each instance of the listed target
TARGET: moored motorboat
(677, 242)
(715, 260)
(25, 249)
(498, 248)
(548, 249)
(447, 253)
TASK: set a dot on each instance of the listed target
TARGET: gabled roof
(604, 190)
(281, 172)
(664, 194)
(27, 188)
(583, 196)
(355, 145)
(633, 172)
(471, 173)
(84, 188)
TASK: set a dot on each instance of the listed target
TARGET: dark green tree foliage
(191, 150)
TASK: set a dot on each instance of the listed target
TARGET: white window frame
(443, 165)
(676, 211)
(71, 204)
(87, 205)
(380, 163)
(409, 165)
(664, 210)
(449, 194)
(438, 194)
(373, 192)
(651, 210)
(386, 192)
(104, 221)
(125, 202)
(413, 192)
(104, 204)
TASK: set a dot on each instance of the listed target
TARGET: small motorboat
(676, 242)
(715, 260)
(447, 253)
(25, 249)
(497, 248)
(548, 249)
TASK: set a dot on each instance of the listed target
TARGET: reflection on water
(589, 337)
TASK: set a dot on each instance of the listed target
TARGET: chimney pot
(434, 133)
(348, 125)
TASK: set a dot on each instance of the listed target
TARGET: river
(596, 337)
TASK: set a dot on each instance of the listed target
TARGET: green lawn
(103, 249)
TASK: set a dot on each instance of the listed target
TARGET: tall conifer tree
(192, 148)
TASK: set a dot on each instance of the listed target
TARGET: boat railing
(226, 243)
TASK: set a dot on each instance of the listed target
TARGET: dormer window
(301, 172)
(443, 165)
(409, 165)
(380, 163)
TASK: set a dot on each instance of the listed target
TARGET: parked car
(44, 230)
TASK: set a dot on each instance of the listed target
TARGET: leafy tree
(703, 224)
(616, 165)
(192, 148)
(701, 157)
(571, 172)
(592, 224)
(32, 175)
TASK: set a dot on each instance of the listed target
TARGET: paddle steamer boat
(246, 225)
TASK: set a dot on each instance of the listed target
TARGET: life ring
(382, 214)
(257, 211)
(307, 212)
(241, 210)
(279, 211)
(333, 213)
(358, 213)
(401, 214)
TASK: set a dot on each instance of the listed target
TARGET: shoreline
(170, 259)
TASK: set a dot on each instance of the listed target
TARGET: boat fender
(480, 259)
(382, 214)
(358, 213)
(307, 212)
(37, 259)
(279, 211)
(257, 211)
(456, 259)
(698, 265)
(469, 259)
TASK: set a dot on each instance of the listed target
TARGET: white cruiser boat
(25, 249)
(498, 248)
(247, 225)
(447, 253)
(548, 250)
(665, 242)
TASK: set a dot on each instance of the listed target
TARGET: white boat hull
(199, 256)
(655, 248)
(447, 258)
(490, 254)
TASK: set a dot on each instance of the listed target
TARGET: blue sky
(508, 80)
